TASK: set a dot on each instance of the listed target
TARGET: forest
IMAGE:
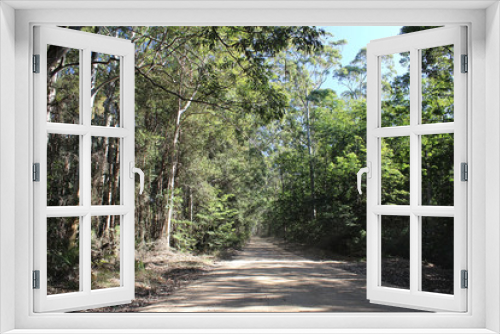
(238, 136)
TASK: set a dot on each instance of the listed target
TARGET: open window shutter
(406, 126)
(84, 161)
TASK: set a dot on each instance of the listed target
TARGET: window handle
(133, 170)
(368, 171)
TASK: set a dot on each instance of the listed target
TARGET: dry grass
(159, 273)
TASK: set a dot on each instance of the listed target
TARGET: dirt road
(266, 278)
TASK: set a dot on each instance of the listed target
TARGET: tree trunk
(191, 205)
(175, 161)
(311, 159)
(171, 180)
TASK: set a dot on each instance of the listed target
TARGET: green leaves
(395, 164)
(257, 126)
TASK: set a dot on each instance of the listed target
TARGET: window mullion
(85, 237)
(414, 170)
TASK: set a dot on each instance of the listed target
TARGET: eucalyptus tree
(215, 70)
(307, 72)
(353, 76)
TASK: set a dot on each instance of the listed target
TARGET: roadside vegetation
(237, 135)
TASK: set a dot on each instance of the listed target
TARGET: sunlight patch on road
(284, 261)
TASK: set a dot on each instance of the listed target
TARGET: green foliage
(337, 129)
(63, 253)
(237, 135)
(184, 235)
(395, 170)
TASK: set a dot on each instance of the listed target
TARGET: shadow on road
(264, 277)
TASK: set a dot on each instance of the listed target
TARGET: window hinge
(465, 63)
(464, 167)
(465, 279)
(36, 172)
(36, 279)
(36, 63)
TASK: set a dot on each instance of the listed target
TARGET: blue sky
(357, 38)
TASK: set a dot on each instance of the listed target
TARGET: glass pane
(437, 84)
(63, 255)
(105, 252)
(395, 89)
(63, 172)
(437, 254)
(396, 251)
(63, 85)
(437, 170)
(105, 171)
(105, 90)
(395, 163)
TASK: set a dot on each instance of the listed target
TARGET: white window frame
(483, 132)
(85, 43)
(414, 296)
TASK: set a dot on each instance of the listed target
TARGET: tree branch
(157, 85)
